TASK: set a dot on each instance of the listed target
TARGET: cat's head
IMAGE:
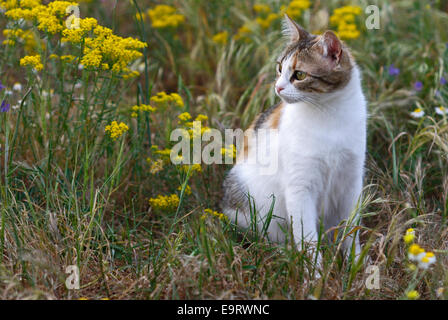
(311, 65)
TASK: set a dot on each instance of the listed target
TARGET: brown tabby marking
(274, 118)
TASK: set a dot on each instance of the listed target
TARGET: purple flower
(393, 71)
(2, 86)
(442, 81)
(418, 85)
(4, 107)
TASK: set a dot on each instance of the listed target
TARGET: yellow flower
(143, 108)
(8, 4)
(295, 8)
(266, 22)
(187, 189)
(156, 166)
(413, 295)
(427, 260)
(116, 130)
(184, 117)
(164, 16)
(33, 61)
(221, 38)
(170, 202)
(163, 98)
(261, 8)
(344, 19)
(177, 100)
(67, 58)
(192, 167)
(212, 213)
(102, 48)
(417, 113)
(244, 32)
(229, 152)
(131, 74)
(76, 35)
(140, 16)
(415, 252)
(201, 118)
(409, 236)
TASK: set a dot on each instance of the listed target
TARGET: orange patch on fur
(274, 118)
(294, 63)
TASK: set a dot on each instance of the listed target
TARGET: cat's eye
(299, 75)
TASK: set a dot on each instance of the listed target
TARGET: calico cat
(321, 145)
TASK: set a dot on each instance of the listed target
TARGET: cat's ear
(330, 47)
(292, 30)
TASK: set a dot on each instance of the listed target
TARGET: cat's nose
(279, 89)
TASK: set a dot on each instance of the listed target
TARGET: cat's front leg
(302, 214)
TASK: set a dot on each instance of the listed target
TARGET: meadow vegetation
(85, 173)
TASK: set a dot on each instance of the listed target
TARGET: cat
(321, 144)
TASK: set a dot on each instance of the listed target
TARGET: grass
(71, 195)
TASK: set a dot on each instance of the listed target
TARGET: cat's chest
(306, 132)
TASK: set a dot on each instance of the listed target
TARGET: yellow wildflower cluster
(194, 128)
(33, 61)
(116, 130)
(229, 152)
(184, 117)
(49, 17)
(344, 19)
(193, 168)
(244, 32)
(295, 8)
(201, 118)
(102, 48)
(261, 8)
(268, 20)
(221, 38)
(187, 189)
(163, 98)
(106, 50)
(27, 37)
(266, 17)
(417, 253)
(143, 108)
(79, 29)
(156, 166)
(67, 58)
(164, 16)
(8, 4)
(163, 153)
(164, 202)
(212, 213)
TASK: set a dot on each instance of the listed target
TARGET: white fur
(321, 156)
